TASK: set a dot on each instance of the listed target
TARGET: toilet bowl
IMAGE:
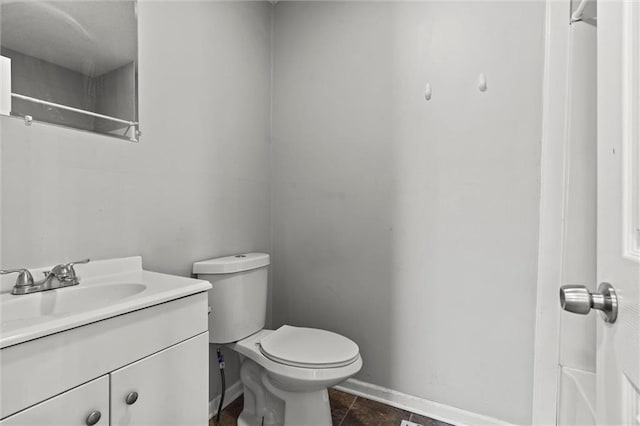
(286, 372)
(303, 389)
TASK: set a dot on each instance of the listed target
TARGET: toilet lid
(309, 348)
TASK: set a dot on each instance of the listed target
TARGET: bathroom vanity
(124, 347)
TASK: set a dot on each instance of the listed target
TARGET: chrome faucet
(63, 275)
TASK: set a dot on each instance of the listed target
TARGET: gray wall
(195, 187)
(412, 226)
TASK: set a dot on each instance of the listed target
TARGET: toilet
(285, 373)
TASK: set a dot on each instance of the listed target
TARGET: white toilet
(285, 373)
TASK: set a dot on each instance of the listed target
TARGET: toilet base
(281, 394)
(265, 403)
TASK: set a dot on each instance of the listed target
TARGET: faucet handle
(24, 276)
(70, 265)
(78, 262)
(66, 272)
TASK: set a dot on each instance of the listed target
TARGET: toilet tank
(238, 299)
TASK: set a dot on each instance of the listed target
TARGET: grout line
(350, 407)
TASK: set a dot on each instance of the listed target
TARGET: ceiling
(90, 37)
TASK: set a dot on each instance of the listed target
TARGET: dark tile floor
(347, 410)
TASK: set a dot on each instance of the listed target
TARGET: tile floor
(347, 410)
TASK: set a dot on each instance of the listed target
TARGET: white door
(618, 344)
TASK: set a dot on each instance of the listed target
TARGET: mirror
(73, 63)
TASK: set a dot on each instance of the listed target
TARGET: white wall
(196, 186)
(412, 226)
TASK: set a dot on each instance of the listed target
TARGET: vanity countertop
(107, 288)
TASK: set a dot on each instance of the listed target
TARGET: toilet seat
(309, 348)
(293, 378)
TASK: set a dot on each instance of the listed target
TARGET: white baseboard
(230, 395)
(424, 407)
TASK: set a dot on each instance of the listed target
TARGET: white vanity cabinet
(125, 342)
(156, 346)
(77, 407)
(167, 388)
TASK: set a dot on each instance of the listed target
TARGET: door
(85, 405)
(167, 388)
(618, 253)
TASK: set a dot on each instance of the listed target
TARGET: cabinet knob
(93, 418)
(131, 398)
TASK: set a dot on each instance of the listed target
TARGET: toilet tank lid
(231, 264)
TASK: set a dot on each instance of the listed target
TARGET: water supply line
(222, 380)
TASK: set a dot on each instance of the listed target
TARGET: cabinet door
(71, 408)
(171, 387)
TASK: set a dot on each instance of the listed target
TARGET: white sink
(20, 311)
(107, 288)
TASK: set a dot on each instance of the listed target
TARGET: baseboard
(230, 395)
(435, 410)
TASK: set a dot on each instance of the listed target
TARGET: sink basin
(108, 288)
(20, 311)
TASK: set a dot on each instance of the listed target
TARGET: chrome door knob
(577, 299)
